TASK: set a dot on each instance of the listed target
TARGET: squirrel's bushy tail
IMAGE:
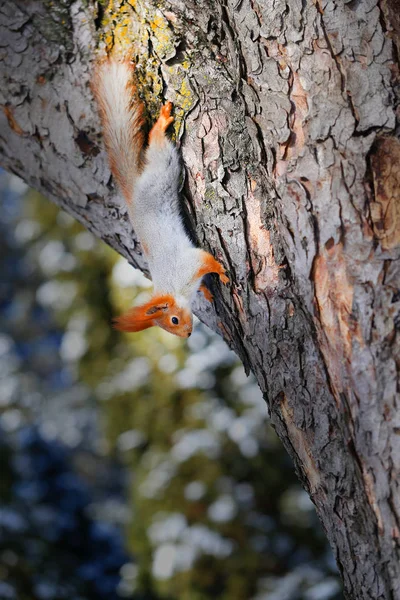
(121, 115)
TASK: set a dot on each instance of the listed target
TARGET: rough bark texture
(287, 120)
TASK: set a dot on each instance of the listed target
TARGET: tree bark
(286, 115)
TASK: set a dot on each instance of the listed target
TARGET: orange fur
(125, 157)
(206, 292)
(158, 311)
(157, 134)
(143, 317)
(141, 170)
(211, 265)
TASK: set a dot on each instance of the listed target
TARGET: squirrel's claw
(166, 109)
(157, 134)
(225, 280)
(165, 119)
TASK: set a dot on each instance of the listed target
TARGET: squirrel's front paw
(165, 118)
(157, 134)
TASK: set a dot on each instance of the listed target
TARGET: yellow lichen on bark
(117, 27)
(128, 27)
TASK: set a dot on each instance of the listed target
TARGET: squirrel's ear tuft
(143, 317)
(158, 304)
(134, 319)
(157, 308)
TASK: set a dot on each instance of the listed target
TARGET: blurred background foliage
(133, 466)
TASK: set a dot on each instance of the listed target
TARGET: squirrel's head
(161, 311)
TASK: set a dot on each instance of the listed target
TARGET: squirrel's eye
(175, 320)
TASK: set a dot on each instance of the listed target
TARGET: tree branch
(287, 124)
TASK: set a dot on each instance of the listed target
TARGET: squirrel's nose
(189, 334)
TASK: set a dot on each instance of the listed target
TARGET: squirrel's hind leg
(211, 265)
(157, 134)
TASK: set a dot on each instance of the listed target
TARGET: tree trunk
(285, 111)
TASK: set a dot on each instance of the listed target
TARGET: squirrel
(148, 178)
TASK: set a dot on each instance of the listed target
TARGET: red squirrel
(149, 181)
